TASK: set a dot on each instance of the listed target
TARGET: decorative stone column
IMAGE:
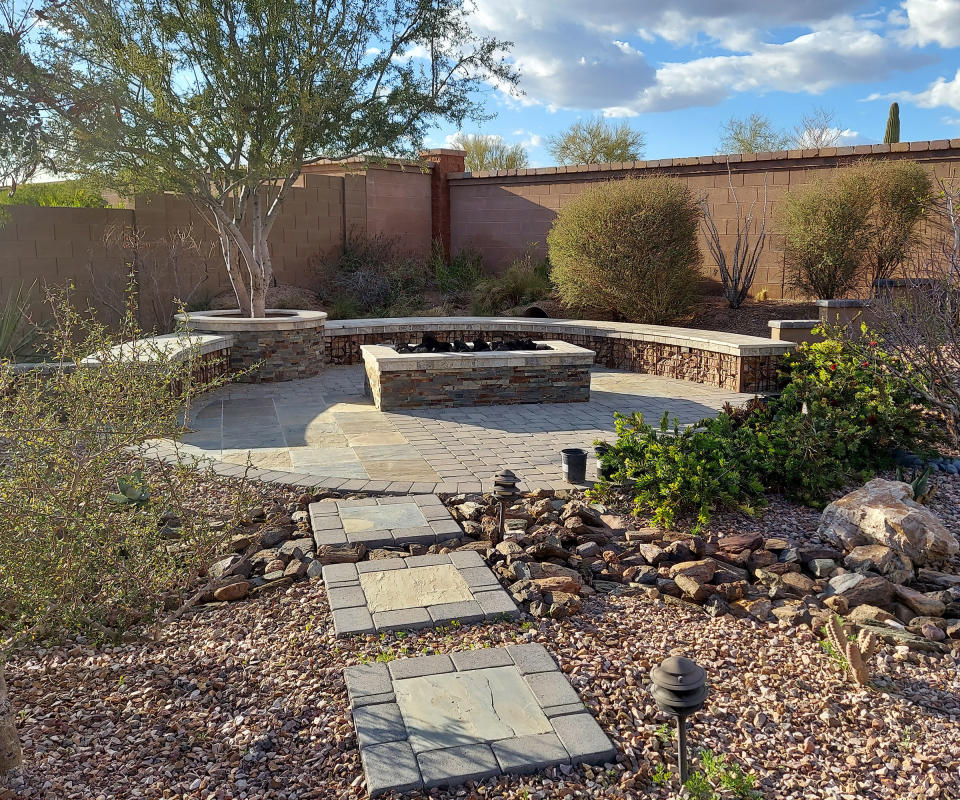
(282, 346)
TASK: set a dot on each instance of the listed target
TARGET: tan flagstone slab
(382, 518)
(458, 708)
(390, 590)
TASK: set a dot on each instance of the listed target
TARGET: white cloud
(567, 62)
(941, 92)
(811, 63)
(932, 21)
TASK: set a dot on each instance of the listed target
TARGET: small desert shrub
(82, 508)
(527, 279)
(628, 249)
(459, 273)
(854, 226)
(372, 275)
(824, 223)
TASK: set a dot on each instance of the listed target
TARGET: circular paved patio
(326, 427)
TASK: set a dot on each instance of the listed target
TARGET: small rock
(232, 591)
(922, 604)
(822, 567)
(701, 571)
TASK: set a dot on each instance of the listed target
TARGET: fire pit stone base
(558, 373)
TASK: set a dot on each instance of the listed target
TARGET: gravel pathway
(248, 701)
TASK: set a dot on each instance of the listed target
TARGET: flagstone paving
(383, 521)
(325, 427)
(415, 592)
(442, 720)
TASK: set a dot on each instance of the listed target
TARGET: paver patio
(416, 592)
(445, 719)
(326, 427)
(383, 521)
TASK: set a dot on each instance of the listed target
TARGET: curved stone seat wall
(725, 360)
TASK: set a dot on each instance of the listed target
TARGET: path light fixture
(679, 688)
(505, 490)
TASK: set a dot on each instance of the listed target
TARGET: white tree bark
(11, 755)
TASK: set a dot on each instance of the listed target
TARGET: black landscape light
(505, 490)
(679, 688)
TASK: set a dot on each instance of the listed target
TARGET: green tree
(754, 134)
(224, 101)
(21, 124)
(487, 152)
(596, 141)
(892, 133)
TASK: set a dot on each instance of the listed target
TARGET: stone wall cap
(227, 320)
(793, 323)
(386, 359)
(172, 346)
(711, 341)
(843, 303)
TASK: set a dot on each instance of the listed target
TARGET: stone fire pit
(557, 373)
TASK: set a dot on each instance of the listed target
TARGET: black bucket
(574, 461)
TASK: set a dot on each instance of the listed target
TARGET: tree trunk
(11, 756)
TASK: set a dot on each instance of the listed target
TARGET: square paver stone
(411, 593)
(414, 588)
(382, 518)
(383, 521)
(457, 719)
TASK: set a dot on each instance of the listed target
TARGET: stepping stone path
(445, 719)
(383, 521)
(416, 592)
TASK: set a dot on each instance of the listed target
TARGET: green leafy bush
(70, 194)
(824, 223)
(628, 249)
(457, 274)
(526, 280)
(76, 554)
(840, 417)
(373, 276)
(856, 225)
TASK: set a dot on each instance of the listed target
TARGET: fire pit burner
(429, 344)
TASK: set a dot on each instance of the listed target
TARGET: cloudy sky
(677, 70)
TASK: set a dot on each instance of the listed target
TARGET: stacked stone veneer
(727, 361)
(558, 375)
(283, 346)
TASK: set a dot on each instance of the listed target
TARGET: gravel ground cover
(248, 701)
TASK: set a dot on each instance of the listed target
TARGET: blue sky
(678, 71)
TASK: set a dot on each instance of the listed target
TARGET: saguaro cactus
(856, 653)
(893, 125)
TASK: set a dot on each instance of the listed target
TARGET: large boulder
(884, 512)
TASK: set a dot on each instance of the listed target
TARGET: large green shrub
(840, 417)
(628, 249)
(71, 194)
(854, 226)
(824, 223)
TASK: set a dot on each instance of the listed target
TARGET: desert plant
(738, 272)
(458, 273)
(817, 128)
(597, 141)
(17, 333)
(825, 227)
(924, 490)
(72, 557)
(901, 193)
(628, 249)
(892, 133)
(486, 152)
(55, 194)
(854, 653)
(527, 279)
(371, 275)
(752, 134)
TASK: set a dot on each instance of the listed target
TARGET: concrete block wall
(502, 213)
